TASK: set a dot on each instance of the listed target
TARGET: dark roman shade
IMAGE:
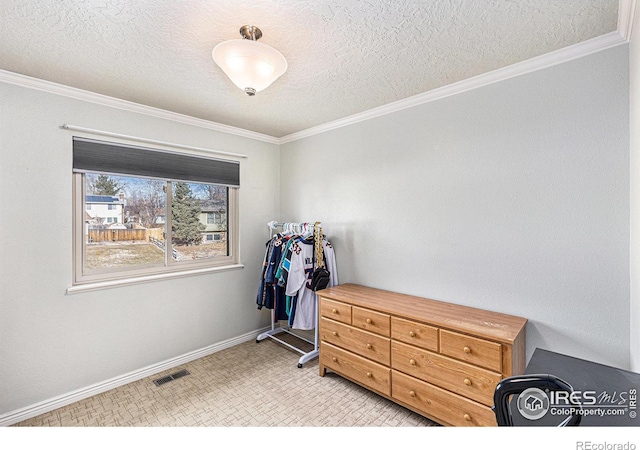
(120, 159)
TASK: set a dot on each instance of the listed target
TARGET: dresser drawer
(467, 380)
(368, 373)
(473, 350)
(373, 321)
(363, 343)
(414, 333)
(335, 310)
(433, 401)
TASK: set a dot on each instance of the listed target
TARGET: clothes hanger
(307, 232)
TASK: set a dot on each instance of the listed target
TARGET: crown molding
(556, 57)
(609, 40)
(626, 12)
(105, 100)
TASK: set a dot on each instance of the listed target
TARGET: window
(141, 211)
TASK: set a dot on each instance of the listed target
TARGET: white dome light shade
(251, 65)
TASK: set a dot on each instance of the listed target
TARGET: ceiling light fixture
(251, 65)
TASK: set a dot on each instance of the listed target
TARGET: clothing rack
(306, 356)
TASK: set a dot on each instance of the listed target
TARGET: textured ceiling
(345, 56)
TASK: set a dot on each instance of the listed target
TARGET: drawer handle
(467, 417)
(369, 321)
(467, 350)
(412, 334)
(335, 311)
(467, 382)
(369, 346)
(412, 362)
(412, 393)
(335, 333)
(334, 359)
(369, 374)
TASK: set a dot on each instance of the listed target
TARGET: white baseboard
(28, 412)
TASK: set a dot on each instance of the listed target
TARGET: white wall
(51, 343)
(513, 197)
(634, 119)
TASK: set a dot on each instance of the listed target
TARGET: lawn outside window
(140, 213)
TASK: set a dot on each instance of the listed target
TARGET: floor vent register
(173, 376)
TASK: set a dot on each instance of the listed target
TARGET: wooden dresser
(438, 359)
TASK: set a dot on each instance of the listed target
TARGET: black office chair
(502, 397)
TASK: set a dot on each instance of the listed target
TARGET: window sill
(146, 279)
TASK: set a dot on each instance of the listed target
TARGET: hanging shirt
(282, 273)
(299, 279)
(270, 293)
(264, 298)
(279, 298)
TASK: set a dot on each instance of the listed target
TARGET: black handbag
(321, 276)
(320, 279)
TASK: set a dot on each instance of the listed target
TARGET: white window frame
(113, 277)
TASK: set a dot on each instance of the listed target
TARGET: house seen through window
(125, 221)
(129, 225)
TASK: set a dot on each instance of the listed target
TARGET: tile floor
(249, 385)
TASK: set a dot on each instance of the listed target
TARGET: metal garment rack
(271, 334)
